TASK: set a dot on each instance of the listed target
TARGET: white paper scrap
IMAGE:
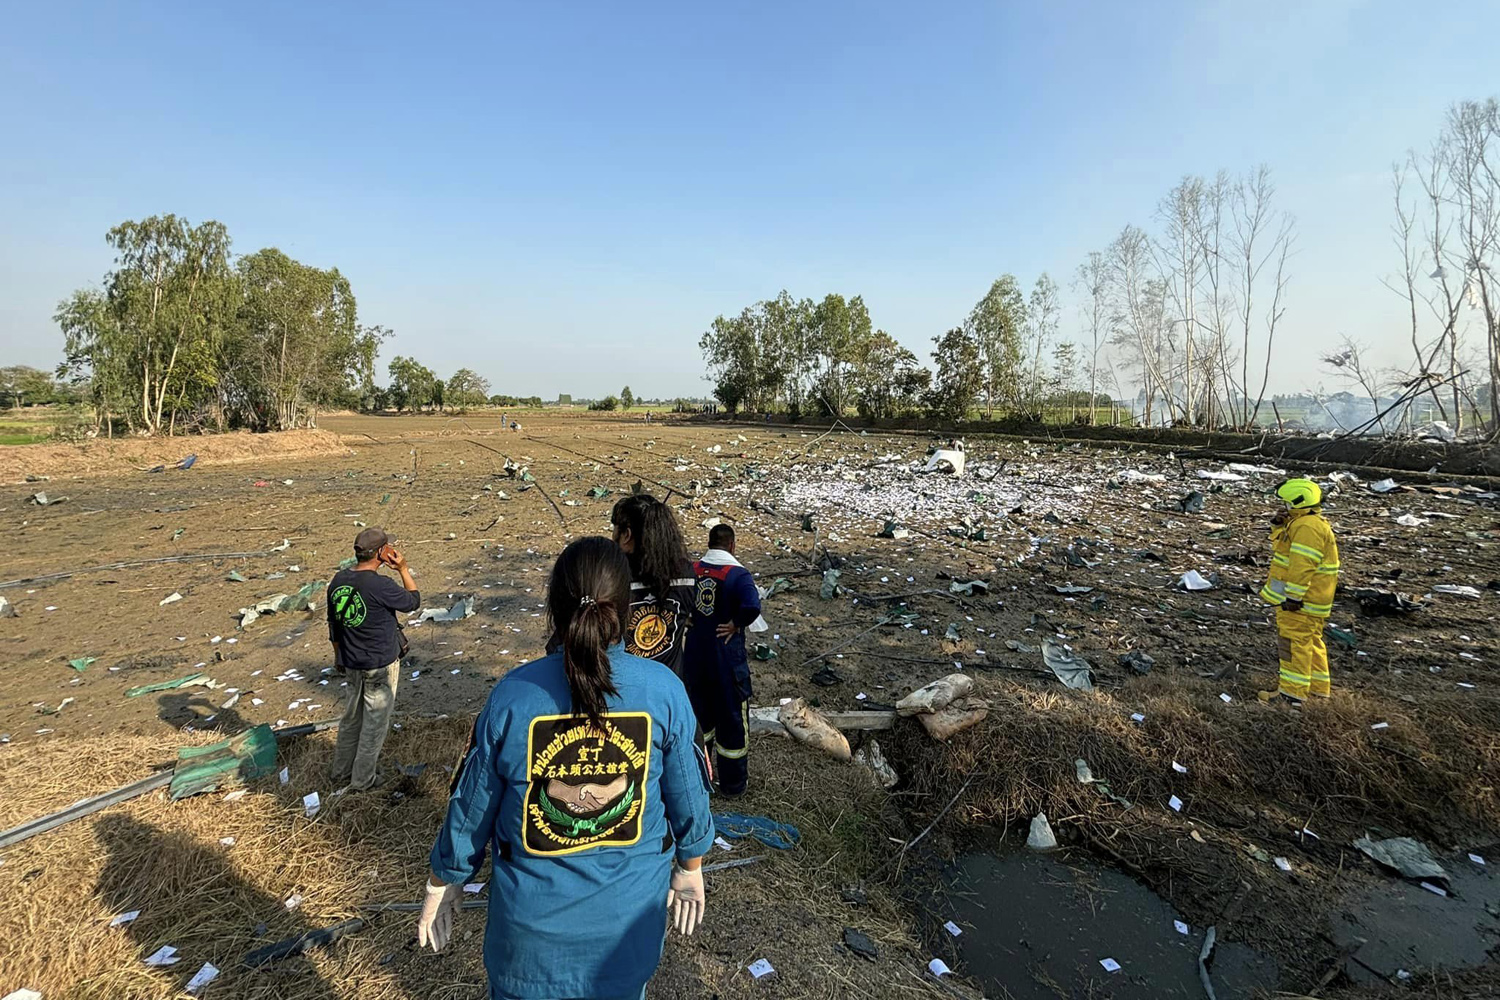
(474, 888)
(171, 598)
(1476, 859)
(1178, 768)
(1435, 889)
(938, 967)
(723, 844)
(1381, 725)
(1175, 803)
(1137, 717)
(1182, 928)
(202, 978)
(1110, 965)
(311, 804)
(286, 775)
(165, 955)
(953, 928)
(293, 901)
(23, 994)
(760, 967)
(227, 841)
(1283, 864)
(124, 918)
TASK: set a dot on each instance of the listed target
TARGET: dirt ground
(88, 578)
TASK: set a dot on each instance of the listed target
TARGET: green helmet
(1300, 494)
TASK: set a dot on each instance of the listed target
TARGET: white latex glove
(686, 900)
(435, 925)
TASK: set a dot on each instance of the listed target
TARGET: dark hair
(660, 553)
(587, 600)
(720, 536)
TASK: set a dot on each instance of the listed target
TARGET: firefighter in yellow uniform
(1304, 574)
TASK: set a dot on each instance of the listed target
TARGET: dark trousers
(721, 700)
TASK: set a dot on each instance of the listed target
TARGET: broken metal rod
(135, 789)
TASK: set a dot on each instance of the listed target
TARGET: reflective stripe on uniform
(1296, 589)
(1271, 595)
(1320, 610)
(1316, 555)
(1280, 560)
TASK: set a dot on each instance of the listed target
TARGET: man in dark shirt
(367, 646)
(725, 603)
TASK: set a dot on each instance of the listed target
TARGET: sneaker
(1276, 699)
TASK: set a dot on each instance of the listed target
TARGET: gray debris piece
(1041, 837)
(1407, 856)
(1137, 661)
(462, 608)
(1071, 669)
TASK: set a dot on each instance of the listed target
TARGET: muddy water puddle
(1396, 927)
(1041, 926)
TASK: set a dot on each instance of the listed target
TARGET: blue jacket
(724, 593)
(582, 827)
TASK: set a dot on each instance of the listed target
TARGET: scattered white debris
(124, 918)
(1175, 804)
(171, 598)
(1110, 965)
(953, 928)
(1181, 927)
(938, 967)
(760, 967)
(474, 888)
(311, 804)
(202, 978)
(163, 956)
(1178, 768)
(1283, 864)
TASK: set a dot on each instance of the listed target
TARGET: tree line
(1181, 315)
(182, 335)
(826, 358)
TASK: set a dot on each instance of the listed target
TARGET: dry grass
(1255, 779)
(216, 903)
(123, 455)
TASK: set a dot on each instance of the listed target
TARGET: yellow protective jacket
(1304, 563)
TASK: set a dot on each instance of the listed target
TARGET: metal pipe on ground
(125, 793)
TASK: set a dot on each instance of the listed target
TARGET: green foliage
(412, 383)
(961, 375)
(887, 379)
(608, 403)
(995, 325)
(22, 385)
(296, 344)
(179, 337)
(466, 389)
(152, 338)
(627, 398)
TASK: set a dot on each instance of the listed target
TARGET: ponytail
(588, 598)
(594, 627)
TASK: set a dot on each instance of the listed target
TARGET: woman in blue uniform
(582, 779)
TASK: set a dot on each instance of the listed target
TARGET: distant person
(582, 773)
(1304, 575)
(367, 647)
(661, 575)
(725, 604)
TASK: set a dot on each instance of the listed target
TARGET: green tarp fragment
(1346, 638)
(82, 663)
(235, 761)
(162, 685)
(599, 492)
(830, 586)
(764, 652)
(236, 577)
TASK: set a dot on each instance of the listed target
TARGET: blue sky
(563, 196)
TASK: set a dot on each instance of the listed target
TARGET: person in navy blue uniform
(583, 783)
(725, 603)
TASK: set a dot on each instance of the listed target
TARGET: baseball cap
(371, 540)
